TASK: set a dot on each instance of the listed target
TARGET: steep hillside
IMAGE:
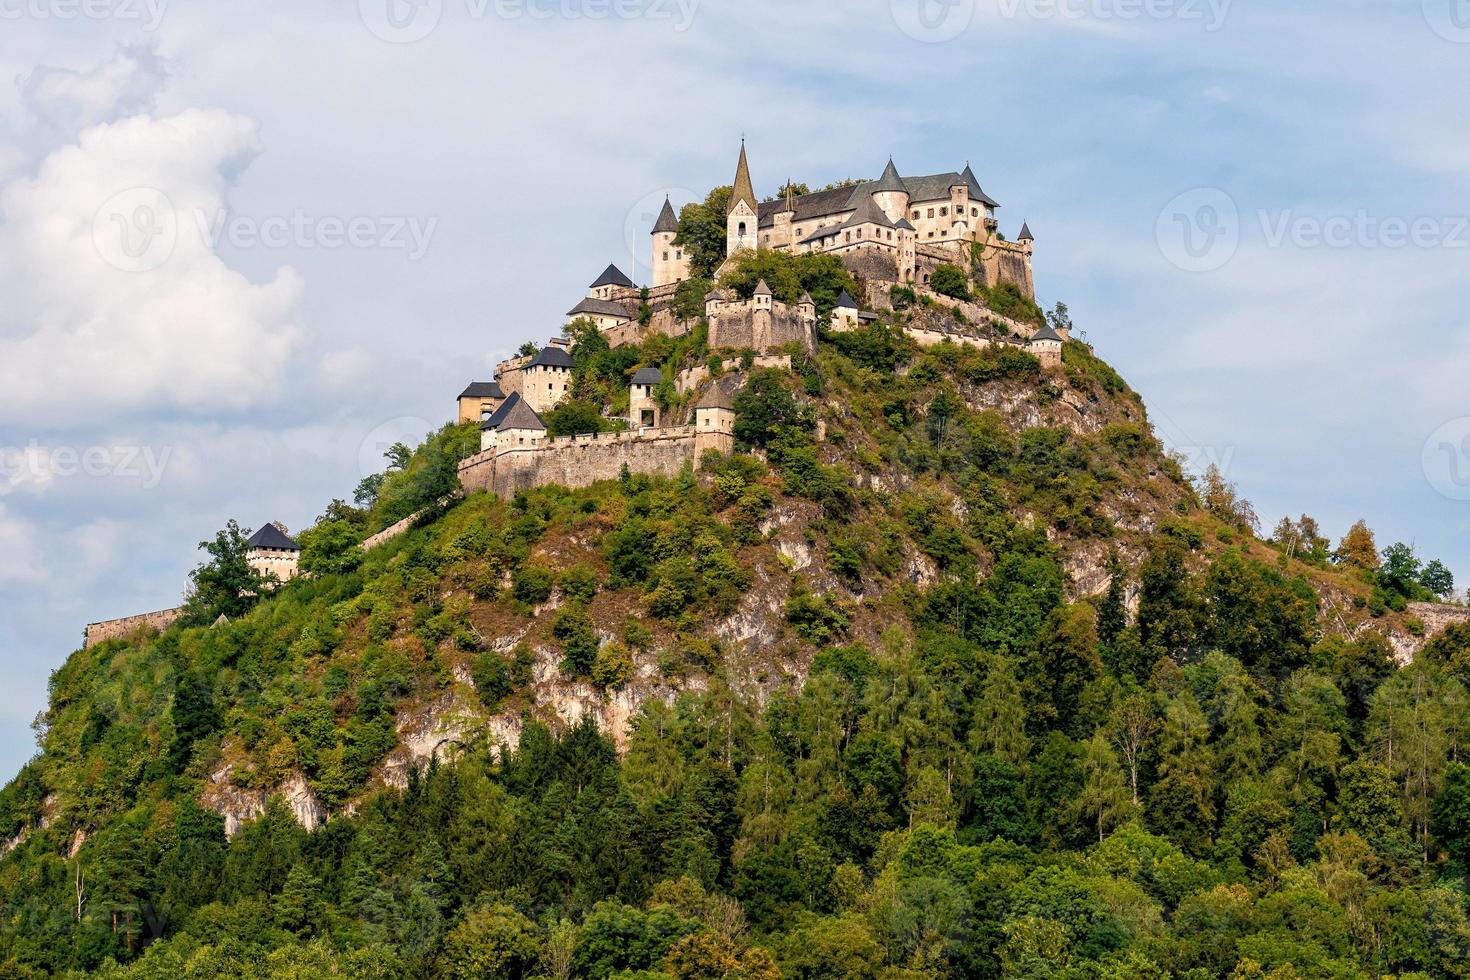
(949, 672)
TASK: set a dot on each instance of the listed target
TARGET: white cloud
(20, 556)
(115, 296)
(69, 101)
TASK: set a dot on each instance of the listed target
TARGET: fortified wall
(113, 629)
(577, 461)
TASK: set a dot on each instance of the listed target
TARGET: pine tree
(1182, 800)
(999, 728)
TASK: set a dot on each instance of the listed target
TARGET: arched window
(741, 230)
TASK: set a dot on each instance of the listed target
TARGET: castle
(889, 232)
(895, 228)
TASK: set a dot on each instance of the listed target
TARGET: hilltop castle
(891, 232)
(893, 229)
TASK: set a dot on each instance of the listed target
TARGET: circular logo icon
(638, 225)
(136, 230)
(400, 21)
(1199, 231)
(1446, 459)
(1450, 19)
(376, 452)
(932, 21)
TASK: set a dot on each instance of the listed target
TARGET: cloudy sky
(244, 246)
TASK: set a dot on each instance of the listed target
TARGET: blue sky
(243, 246)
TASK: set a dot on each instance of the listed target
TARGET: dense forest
(944, 760)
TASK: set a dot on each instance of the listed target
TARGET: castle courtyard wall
(577, 461)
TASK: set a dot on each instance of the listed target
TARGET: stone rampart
(113, 629)
(577, 461)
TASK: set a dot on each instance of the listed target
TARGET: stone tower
(744, 212)
(669, 261)
(890, 194)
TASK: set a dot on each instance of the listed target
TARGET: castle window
(741, 230)
(974, 212)
(666, 256)
(931, 214)
(943, 212)
(678, 253)
(916, 215)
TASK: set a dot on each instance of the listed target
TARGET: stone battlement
(577, 461)
(113, 629)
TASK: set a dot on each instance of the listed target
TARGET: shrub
(532, 584)
(612, 666)
(950, 280)
(578, 641)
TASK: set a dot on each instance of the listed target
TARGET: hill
(949, 671)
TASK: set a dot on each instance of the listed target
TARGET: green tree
(1105, 800)
(492, 941)
(1181, 803)
(226, 584)
(950, 280)
(702, 232)
(999, 726)
(574, 418)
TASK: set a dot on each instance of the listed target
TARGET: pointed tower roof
(968, 176)
(514, 413)
(846, 301)
(667, 220)
(612, 276)
(806, 300)
(270, 536)
(743, 191)
(1026, 235)
(890, 181)
(761, 289)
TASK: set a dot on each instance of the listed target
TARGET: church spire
(743, 191)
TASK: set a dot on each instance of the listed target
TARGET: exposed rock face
(239, 805)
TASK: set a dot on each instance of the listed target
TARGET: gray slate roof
(270, 536)
(1047, 333)
(482, 389)
(667, 220)
(514, 414)
(890, 181)
(648, 376)
(604, 307)
(716, 397)
(551, 357)
(1026, 235)
(844, 300)
(612, 276)
(928, 187)
(868, 213)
